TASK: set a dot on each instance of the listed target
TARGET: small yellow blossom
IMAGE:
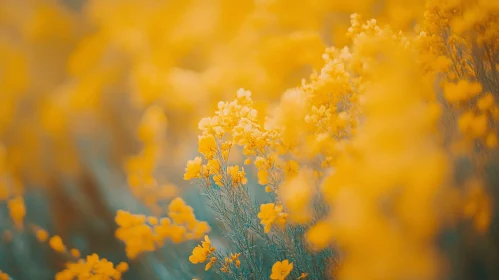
(56, 243)
(17, 210)
(210, 263)
(303, 275)
(41, 235)
(281, 269)
(235, 258)
(75, 253)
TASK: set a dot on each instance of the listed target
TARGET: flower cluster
(207, 253)
(236, 128)
(146, 233)
(92, 268)
(340, 160)
(235, 123)
(457, 41)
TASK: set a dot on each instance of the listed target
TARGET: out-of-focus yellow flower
(4, 276)
(41, 235)
(74, 253)
(56, 243)
(296, 194)
(17, 210)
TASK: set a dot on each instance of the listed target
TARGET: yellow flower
(75, 253)
(122, 267)
(198, 255)
(210, 264)
(193, 169)
(270, 214)
(177, 233)
(281, 269)
(180, 212)
(485, 102)
(152, 220)
(4, 276)
(235, 258)
(92, 268)
(461, 91)
(201, 253)
(55, 243)
(238, 177)
(207, 146)
(320, 235)
(491, 140)
(17, 210)
(296, 194)
(42, 235)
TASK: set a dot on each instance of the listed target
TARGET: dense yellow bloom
(92, 267)
(138, 237)
(146, 233)
(281, 269)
